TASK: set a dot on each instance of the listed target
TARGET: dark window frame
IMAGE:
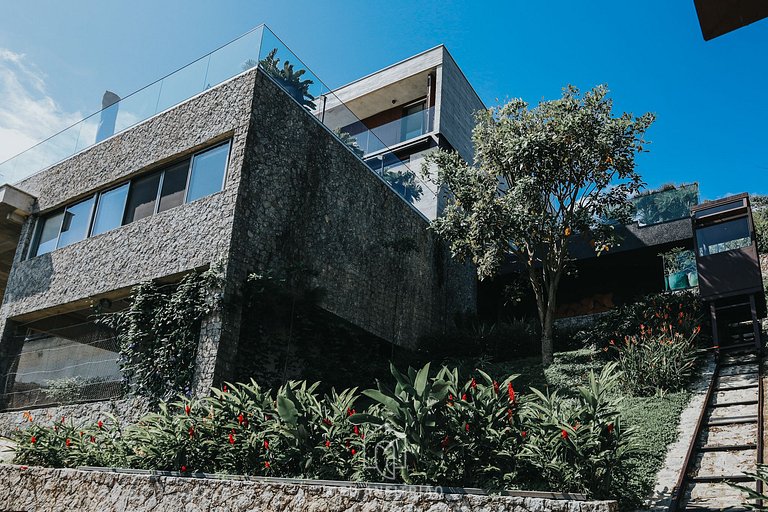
(40, 221)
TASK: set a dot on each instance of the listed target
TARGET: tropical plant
(668, 202)
(291, 81)
(678, 259)
(541, 175)
(754, 500)
(577, 446)
(403, 181)
(350, 141)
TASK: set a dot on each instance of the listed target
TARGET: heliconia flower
(224, 388)
(353, 451)
(327, 444)
(350, 412)
(444, 443)
(183, 469)
(450, 397)
(697, 329)
(187, 408)
(610, 427)
(564, 434)
(240, 419)
(464, 396)
(191, 432)
(33, 440)
(612, 342)
(356, 430)
(496, 387)
(231, 439)
(68, 442)
(327, 422)
(266, 464)
(473, 383)
(100, 424)
(523, 433)
(266, 444)
(63, 418)
(93, 439)
(511, 392)
(346, 444)
(466, 427)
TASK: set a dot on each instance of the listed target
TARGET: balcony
(391, 134)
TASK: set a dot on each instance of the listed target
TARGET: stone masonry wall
(308, 201)
(43, 490)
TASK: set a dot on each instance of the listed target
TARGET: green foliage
(403, 181)
(349, 141)
(158, 334)
(760, 218)
(656, 362)
(678, 260)
(577, 445)
(290, 80)
(669, 202)
(751, 496)
(431, 429)
(563, 165)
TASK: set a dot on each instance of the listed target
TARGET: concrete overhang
(15, 206)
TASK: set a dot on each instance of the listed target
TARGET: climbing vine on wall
(158, 333)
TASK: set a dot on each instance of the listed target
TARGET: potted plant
(679, 264)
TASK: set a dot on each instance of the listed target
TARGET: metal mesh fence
(63, 360)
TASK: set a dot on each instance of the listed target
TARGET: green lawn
(655, 418)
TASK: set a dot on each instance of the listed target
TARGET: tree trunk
(547, 345)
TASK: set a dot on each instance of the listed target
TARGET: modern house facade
(245, 177)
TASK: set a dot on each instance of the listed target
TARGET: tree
(541, 175)
(760, 218)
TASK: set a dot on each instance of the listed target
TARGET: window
(141, 200)
(722, 237)
(109, 212)
(207, 174)
(413, 121)
(47, 233)
(174, 186)
(182, 181)
(719, 209)
(77, 219)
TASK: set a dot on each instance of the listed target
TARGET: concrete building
(243, 176)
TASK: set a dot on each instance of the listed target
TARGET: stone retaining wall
(40, 489)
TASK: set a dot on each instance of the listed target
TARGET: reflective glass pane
(722, 208)
(413, 121)
(48, 233)
(141, 200)
(174, 185)
(109, 212)
(77, 219)
(725, 236)
(208, 172)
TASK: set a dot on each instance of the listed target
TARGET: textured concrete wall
(458, 103)
(41, 490)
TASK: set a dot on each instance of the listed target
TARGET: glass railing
(390, 134)
(665, 205)
(258, 47)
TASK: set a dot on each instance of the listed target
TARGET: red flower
(610, 427)
(187, 408)
(450, 397)
(353, 451)
(63, 418)
(81, 434)
(511, 392)
(564, 434)
(350, 412)
(100, 424)
(33, 440)
(496, 387)
(266, 444)
(473, 383)
(346, 444)
(68, 442)
(240, 419)
(266, 464)
(327, 422)
(93, 439)
(191, 432)
(183, 469)
(231, 438)
(523, 433)
(327, 444)
(356, 430)
(464, 397)
(612, 342)
(224, 388)
(444, 443)
(466, 427)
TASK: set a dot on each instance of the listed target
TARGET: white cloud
(28, 115)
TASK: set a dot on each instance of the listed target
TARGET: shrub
(656, 362)
(576, 446)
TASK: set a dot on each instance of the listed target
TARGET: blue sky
(57, 58)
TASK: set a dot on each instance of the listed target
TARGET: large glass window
(141, 200)
(207, 176)
(48, 233)
(413, 121)
(77, 219)
(725, 236)
(174, 186)
(109, 211)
